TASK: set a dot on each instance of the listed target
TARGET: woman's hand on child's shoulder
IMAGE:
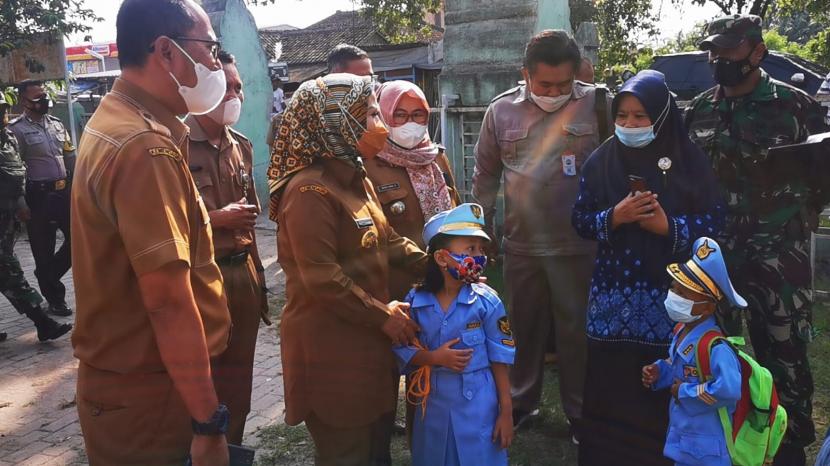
(450, 358)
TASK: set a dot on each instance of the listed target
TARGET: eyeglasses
(215, 46)
(401, 117)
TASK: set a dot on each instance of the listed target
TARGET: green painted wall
(238, 33)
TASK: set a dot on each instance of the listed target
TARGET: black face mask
(730, 73)
(40, 106)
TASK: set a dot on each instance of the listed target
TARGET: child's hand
(504, 429)
(674, 389)
(650, 375)
(453, 359)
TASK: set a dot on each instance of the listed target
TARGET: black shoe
(60, 310)
(3, 336)
(521, 417)
(51, 330)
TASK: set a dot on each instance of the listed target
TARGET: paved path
(38, 420)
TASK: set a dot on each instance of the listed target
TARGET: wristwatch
(216, 425)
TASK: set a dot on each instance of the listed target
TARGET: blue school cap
(464, 220)
(706, 273)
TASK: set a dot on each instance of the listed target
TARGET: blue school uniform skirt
(460, 417)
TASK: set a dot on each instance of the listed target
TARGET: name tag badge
(569, 164)
(364, 222)
(388, 187)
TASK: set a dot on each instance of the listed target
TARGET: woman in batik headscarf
(335, 247)
(411, 175)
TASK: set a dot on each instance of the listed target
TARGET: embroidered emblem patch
(476, 211)
(704, 250)
(504, 326)
(473, 325)
(509, 343)
(388, 187)
(364, 222)
(370, 240)
(165, 152)
(689, 371)
(688, 350)
(314, 188)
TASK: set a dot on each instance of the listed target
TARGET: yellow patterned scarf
(315, 125)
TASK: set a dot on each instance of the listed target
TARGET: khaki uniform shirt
(403, 210)
(43, 146)
(135, 209)
(529, 147)
(335, 246)
(223, 175)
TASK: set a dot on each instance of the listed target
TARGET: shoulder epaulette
(506, 93)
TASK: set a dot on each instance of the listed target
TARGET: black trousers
(50, 213)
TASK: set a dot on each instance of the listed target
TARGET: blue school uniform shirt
(695, 435)
(462, 407)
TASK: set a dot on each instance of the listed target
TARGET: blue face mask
(636, 138)
(467, 268)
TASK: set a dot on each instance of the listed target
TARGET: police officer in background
(50, 159)
(766, 242)
(221, 162)
(25, 299)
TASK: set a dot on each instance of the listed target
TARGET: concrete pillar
(237, 31)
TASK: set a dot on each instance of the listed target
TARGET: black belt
(48, 186)
(234, 259)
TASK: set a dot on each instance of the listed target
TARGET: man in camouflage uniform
(13, 283)
(768, 229)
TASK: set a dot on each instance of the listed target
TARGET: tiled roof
(313, 44)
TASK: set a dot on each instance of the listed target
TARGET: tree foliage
(24, 20)
(619, 22)
(398, 20)
(728, 7)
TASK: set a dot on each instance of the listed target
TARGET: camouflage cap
(729, 31)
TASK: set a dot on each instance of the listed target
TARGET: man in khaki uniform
(150, 304)
(221, 162)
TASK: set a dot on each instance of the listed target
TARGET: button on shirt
(223, 175)
(43, 146)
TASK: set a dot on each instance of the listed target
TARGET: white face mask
(227, 113)
(549, 104)
(208, 91)
(680, 308)
(409, 135)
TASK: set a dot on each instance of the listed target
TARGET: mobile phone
(637, 183)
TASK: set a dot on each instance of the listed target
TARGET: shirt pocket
(366, 232)
(34, 139)
(472, 338)
(513, 145)
(580, 141)
(701, 446)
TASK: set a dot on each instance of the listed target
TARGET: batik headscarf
(325, 119)
(424, 174)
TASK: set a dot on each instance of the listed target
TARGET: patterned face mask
(466, 268)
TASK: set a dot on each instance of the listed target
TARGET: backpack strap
(704, 353)
(601, 110)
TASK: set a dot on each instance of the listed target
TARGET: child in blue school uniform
(696, 435)
(460, 365)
